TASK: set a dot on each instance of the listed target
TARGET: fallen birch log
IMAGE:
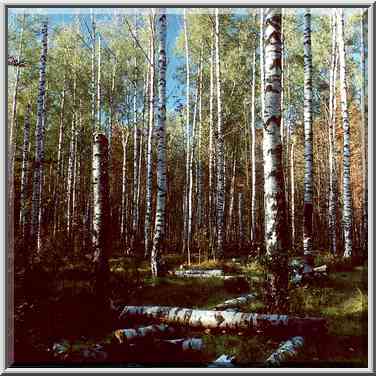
(189, 344)
(320, 269)
(233, 303)
(286, 351)
(199, 318)
(223, 361)
(210, 272)
(130, 335)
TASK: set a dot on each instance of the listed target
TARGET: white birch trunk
(276, 236)
(127, 336)
(332, 141)
(60, 171)
(220, 146)
(93, 76)
(286, 351)
(13, 124)
(200, 205)
(308, 147)
(149, 155)
(71, 163)
(159, 230)
(240, 218)
(347, 199)
(39, 143)
(199, 318)
(262, 62)
(236, 302)
(212, 148)
(253, 150)
(101, 238)
(292, 199)
(232, 200)
(124, 142)
(25, 172)
(188, 195)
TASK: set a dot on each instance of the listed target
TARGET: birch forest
(187, 187)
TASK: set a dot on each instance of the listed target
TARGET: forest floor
(63, 312)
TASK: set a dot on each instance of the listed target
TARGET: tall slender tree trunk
(212, 154)
(230, 222)
(124, 181)
(101, 239)
(308, 150)
(60, 171)
(12, 128)
(71, 163)
(240, 218)
(276, 236)
(159, 230)
(332, 141)
(220, 146)
(347, 199)
(149, 156)
(25, 173)
(188, 195)
(253, 151)
(200, 205)
(36, 210)
(262, 62)
(292, 199)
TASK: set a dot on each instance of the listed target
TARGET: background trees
(226, 94)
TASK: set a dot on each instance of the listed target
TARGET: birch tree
(159, 230)
(276, 236)
(332, 139)
(220, 146)
(253, 150)
(212, 148)
(36, 211)
(101, 238)
(25, 172)
(347, 200)
(149, 156)
(308, 150)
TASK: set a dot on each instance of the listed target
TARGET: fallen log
(199, 318)
(286, 351)
(320, 269)
(213, 272)
(223, 361)
(233, 303)
(198, 273)
(188, 344)
(130, 335)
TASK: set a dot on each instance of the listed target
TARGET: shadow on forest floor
(65, 310)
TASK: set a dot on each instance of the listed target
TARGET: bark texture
(159, 230)
(347, 199)
(308, 147)
(276, 236)
(36, 211)
(101, 237)
(286, 351)
(198, 318)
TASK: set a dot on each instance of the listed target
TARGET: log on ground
(223, 361)
(182, 344)
(286, 351)
(199, 318)
(190, 273)
(233, 303)
(151, 331)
